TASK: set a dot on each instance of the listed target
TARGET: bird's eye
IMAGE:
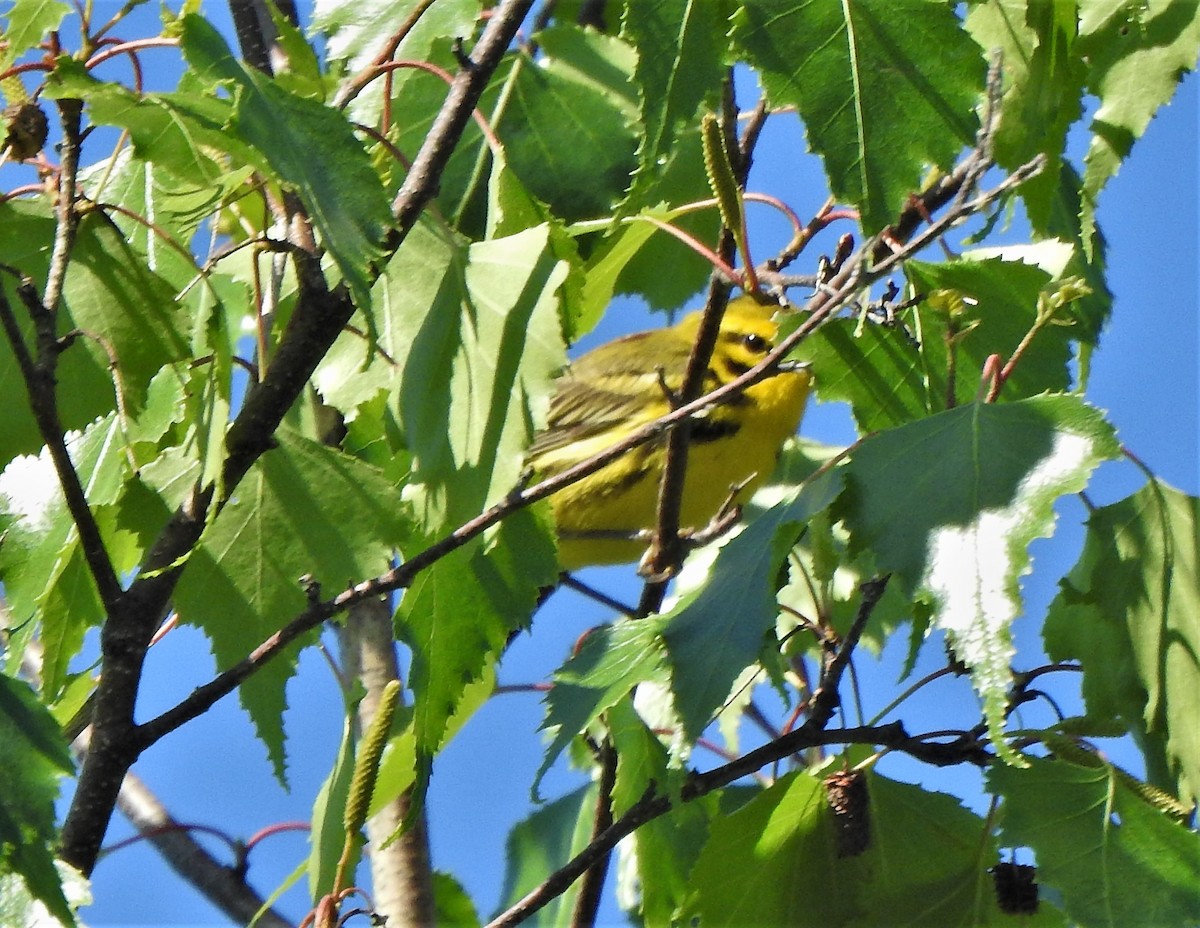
(756, 343)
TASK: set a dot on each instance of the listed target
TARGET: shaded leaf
(459, 613)
(1000, 308)
(542, 843)
(46, 577)
(33, 756)
(342, 192)
(1100, 845)
(775, 861)
(609, 663)
(718, 627)
(680, 48)
(1128, 610)
(305, 509)
(356, 31)
(567, 126)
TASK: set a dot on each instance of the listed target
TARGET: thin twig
(591, 887)
(667, 550)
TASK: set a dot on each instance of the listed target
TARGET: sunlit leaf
(850, 68)
(951, 504)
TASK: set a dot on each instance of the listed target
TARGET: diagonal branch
(667, 552)
(38, 377)
(38, 367)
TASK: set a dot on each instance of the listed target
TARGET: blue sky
(1146, 375)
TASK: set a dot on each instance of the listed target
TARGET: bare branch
(591, 888)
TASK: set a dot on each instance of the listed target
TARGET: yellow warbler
(611, 391)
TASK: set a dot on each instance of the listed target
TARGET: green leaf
(27, 23)
(1044, 77)
(631, 256)
(1138, 53)
(308, 146)
(680, 47)
(108, 293)
(468, 340)
(130, 310)
(46, 577)
(452, 905)
(1128, 611)
(32, 757)
(666, 848)
(179, 207)
(328, 834)
(1116, 860)
(641, 758)
(1088, 261)
(305, 509)
(775, 861)
(850, 68)
(1001, 306)
(398, 769)
(461, 611)
(182, 132)
(542, 843)
(683, 181)
(477, 364)
(612, 660)
(295, 61)
(567, 125)
(824, 580)
(978, 485)
(875, 368)
(726, 607)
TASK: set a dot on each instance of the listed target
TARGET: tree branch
(38, 376)
(224, 885)
(591, 887)
(667, 551)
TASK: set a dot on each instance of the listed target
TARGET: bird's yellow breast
(619, 387)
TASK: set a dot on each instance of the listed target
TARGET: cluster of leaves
(183, 238)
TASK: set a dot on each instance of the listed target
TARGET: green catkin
(720, 174)
(366, 764)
